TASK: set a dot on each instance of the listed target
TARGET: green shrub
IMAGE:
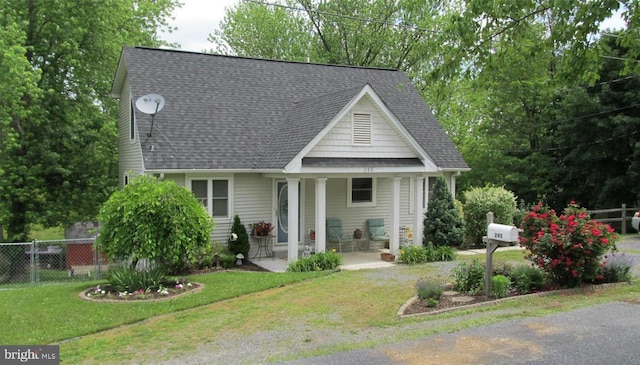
(239, 239)
(443, 224)
(469, 277)
(617, 268)
(569, 247)
(480, 201)
(127, 278)
(445, 253)
(227, 260)
(157, 220)
(319, 262)
(411, 255)
(527, 279)
(502, 268)
(429, 288)
(500, 286)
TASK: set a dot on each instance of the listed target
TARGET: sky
(196, 19)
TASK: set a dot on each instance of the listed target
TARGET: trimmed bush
(569, 247)
(469, 277)
(319, 262)
(443, 224)
(157, 220)
(239, 239)
(480, 201)
(429, 289)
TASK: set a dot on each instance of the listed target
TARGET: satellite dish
(150, 103)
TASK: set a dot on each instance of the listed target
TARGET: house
(287, 142)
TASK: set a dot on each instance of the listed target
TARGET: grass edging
(583, 289)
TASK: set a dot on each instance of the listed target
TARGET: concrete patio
(365, 259)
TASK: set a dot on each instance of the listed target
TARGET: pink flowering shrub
(570, 247)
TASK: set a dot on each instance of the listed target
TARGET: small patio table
(264, 243)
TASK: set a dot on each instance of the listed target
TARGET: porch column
(321, 214)
(418, 223)
(394, 235)
(293, 185)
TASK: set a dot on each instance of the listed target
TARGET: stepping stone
(450, 293)
(462, 299)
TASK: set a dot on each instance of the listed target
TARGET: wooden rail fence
(615, 215)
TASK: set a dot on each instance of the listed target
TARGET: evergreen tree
(443, 225)
(239, 239)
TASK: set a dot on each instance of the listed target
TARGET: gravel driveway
(601, 334)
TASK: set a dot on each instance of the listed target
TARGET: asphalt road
(602, 334)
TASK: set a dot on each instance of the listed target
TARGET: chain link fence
(51, 261)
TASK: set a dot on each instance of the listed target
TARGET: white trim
(210, 179)
(351, 203)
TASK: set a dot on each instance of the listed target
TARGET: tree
(443, 225)
(58, 160)
(381, 33)
(156, 220)
(239, 240)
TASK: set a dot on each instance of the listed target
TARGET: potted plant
(262, 228)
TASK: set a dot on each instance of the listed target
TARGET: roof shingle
(226, 112)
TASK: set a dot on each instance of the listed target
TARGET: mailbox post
(497, 234)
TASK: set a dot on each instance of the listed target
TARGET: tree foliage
(156, 220)
(529, 91)
(443, 225)
(58, 159)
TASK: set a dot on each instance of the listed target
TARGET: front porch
(366, 259)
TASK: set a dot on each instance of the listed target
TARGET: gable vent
(361, 129)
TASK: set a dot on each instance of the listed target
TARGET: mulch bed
(445, 303)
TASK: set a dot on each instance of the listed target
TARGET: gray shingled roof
(226, 112)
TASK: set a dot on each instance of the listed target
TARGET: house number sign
(368, 169)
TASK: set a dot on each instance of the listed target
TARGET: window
(213, 194)
(361, 191)
(361, 129)
(132, 123)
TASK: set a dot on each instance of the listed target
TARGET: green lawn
(53, 313)
(240, 304)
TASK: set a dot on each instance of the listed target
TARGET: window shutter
(361, 129)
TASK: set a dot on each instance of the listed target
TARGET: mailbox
(502, 233)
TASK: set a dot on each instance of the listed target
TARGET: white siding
(129, 151)
(387, 141)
